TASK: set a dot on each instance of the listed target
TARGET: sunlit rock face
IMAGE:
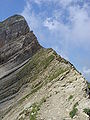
(36, 83)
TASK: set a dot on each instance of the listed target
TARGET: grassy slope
(44, 67)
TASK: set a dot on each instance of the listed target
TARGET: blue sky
(63, 25)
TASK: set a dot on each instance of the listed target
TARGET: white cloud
(86, 71)
(55, 25)
(65, 27)
(75, 31)
(51, 24)
(80, 25)
(61, 52)
(34, 20)
(61, 2)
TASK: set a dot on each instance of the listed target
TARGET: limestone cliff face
(36, 83)
(17, 42)
(17, 45)
(12, 28)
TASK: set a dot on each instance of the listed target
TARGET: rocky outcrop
(12, 28)
(36, 83)
(16, 40)
(17, 45)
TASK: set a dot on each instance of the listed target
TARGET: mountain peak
(13, 27)
(17, 42)
(13, 18)
(37, 83)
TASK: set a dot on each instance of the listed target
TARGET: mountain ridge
(39, 84)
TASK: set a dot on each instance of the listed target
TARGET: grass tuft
(48, 60)
(56, 74)
(35, 108)
(70, 97)
(87, 111)
(74, 111)
(88, 84)
(33, 113)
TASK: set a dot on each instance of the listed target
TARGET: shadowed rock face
(17, 45)
(12, 28)
(16, 40)
(36, 83)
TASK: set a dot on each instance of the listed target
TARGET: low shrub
(74, 111)
(87, 111)
(70, 97)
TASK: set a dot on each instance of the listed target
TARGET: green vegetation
(33, 91)
(70, 97)
(38, 63)
(33, 113)
(88, 85)
(48, 60)
(56, 74)
(76, 104)
(35, 108)
(74, 111)
(87, 111)
(39, 85)
(37, 88)
(35, 68)
(0, 23)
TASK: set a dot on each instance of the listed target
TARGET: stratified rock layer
(36, 83)
(16, 40)
(17, 45)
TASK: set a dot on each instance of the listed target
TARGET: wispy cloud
(86, 71)
(63, 25)
(33, 20)
(77, 27)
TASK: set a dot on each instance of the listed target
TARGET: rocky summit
(36, 83)
(17, 46)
